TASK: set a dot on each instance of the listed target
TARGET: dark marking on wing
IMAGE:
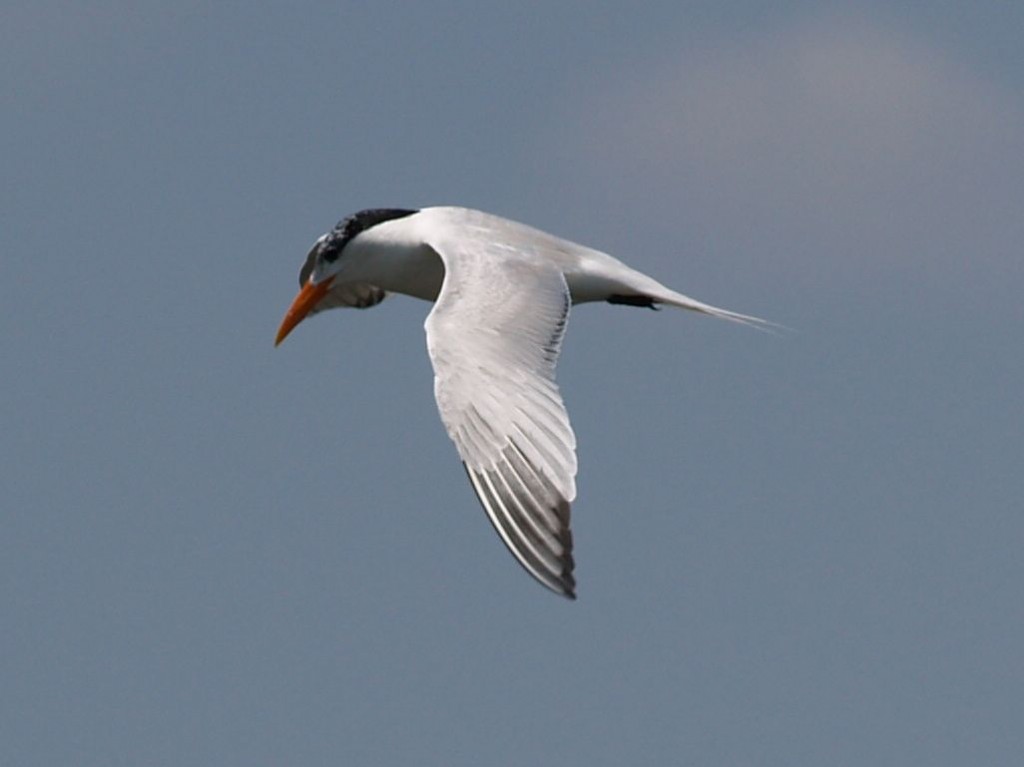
(558, 333)
(645, 301)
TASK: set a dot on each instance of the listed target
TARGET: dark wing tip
(536, 532)
(569, 587)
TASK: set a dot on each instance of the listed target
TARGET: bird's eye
(329, 254)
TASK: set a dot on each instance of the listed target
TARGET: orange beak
(304, 302)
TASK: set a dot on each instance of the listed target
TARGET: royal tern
(501, 292)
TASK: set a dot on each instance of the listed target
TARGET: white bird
(501, 292)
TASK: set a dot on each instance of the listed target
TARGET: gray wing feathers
(494, 337)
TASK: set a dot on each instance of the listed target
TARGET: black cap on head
(349, 227)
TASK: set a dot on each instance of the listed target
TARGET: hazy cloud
(828, 124)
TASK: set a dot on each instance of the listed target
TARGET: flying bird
(502, 292)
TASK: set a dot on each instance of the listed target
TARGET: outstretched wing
(494, 336)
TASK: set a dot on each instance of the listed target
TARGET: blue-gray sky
(792, 550)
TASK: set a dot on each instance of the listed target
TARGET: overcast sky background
(792, 550)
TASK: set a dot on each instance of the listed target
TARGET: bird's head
(315, 280)
(319, 276)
